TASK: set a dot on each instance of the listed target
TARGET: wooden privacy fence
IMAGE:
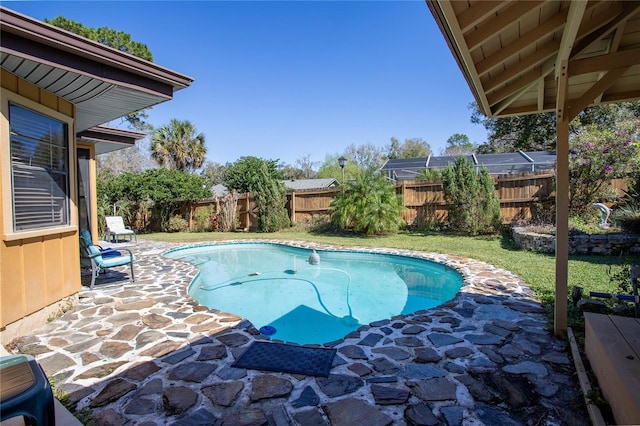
(520, 197)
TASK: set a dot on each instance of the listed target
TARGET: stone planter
(603, 244)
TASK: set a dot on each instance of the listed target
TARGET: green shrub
(177, 224)
(474, 207)
(271, 197)
(367, 204)
(627, 218)
(428, 221)
(204, 219)
(429, 174)
(621, 278)
(632, 194)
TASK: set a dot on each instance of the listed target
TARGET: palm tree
(178, 146)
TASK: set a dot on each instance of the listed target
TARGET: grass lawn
(538, 270)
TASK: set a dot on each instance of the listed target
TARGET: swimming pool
(284, 295)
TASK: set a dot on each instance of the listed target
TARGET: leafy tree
(537, 132)
(304, 168)
(331, 169)
(366, 156)
(213, 172)
(178, 146)
(245, 174)
(459, 144)
(163, 191)
(134, 159)
(116, 39)
(113, 38)
(606, 115)
(290, 172)
(598, 155)
(307, 166)
(367, 204)
(263, 179)
(474, 207)
(411, 148)
(533, 132)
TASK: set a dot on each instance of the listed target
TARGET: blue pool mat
(285, 358)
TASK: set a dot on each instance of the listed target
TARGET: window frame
(9, 234)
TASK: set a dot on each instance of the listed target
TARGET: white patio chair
(115, 227)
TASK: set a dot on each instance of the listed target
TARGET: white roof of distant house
(300, 184)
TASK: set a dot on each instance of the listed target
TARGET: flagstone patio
(145, 353)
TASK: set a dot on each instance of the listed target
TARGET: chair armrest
(124, 249)
(90, 256)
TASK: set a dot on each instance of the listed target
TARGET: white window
(39, 170)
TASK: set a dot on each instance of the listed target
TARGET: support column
(562, 227)
(562, 203)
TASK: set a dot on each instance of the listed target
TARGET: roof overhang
(107, 139)
(511, 52)
(103, 83)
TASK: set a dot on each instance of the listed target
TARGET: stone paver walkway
(146, 354)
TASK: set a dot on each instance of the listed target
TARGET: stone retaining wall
(578, 244)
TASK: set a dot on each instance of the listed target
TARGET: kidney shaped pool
(296, 295)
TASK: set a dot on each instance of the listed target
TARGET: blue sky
(284, 80)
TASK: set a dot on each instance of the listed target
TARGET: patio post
(562, 202)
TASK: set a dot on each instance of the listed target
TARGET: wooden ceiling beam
(446, 16)
(520, 67)
(510, 16)
(477, 13)
(575, 106)
(527, 39)
(621, 97)
(599, 31)
(570, 32)
(541, 86)
(526, 80)
(505, 103)
(624, 58)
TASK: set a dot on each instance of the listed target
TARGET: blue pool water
(279, 291)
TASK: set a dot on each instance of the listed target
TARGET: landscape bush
(474, 207)
(176, 224)
(367, 204)
(596, 156)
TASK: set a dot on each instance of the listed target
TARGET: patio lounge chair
(92, 257)
(115, 227)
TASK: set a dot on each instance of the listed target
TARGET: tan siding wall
(39, 271)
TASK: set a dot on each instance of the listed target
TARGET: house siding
(39, 270)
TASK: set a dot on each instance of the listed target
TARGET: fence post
(292, 207)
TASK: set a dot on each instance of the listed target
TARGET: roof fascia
(446, 28)
(111, 134)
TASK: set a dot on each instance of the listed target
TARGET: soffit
(510, 51)
(103, 83)
(107, 139)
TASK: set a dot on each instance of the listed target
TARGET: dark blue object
(25, 391)
(286, 358)
(109, 252)
(268, 330)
